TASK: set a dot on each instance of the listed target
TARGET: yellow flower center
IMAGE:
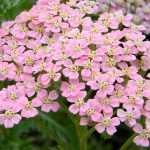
(103, 85)
(13, 96)
(9, 114)
(29, 105)
(37, 86)
(79, 102)
(77, 48)
(111, 61)
(118, 93)
(129, 116)
(51, 74)
(106, 122)
(29, 60)
(74, 68)
(4, 70)
(46, 101)
(90, 111)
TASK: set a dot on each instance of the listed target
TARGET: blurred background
(53, 131)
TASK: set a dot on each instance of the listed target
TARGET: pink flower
(107, 104)
(31, 87)
(13, 97)
(125, 20)
(47, 101)
(91, 109)
(75, 18)
(76, 48)
(77, 102)
(65, 11)
(71, 71)
(136, 88)
(129, 71)
(118, 94)
(116, 75)
(133, 102)
(109, 21)
(55, 25)
(28, 109)
(129, 116)
(10, 118)
(52, 73)
(13, 52)
(107, 123)
(72, 88)
(4, 67)
(39, 66)
(103, 85)
(142, 138)
(19, 31)
(89, 67)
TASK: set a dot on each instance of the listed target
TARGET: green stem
(78, 128)
(89, 133)
(127, 143)
(83, 144)
(81, 131)
(85, 138)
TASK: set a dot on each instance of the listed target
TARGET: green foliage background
(53, 131)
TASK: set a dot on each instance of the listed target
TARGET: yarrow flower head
(99, 65)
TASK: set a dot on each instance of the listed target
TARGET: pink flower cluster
(101, 66)
(139, 8)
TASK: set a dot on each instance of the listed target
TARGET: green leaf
(64, 130)
(11, 8)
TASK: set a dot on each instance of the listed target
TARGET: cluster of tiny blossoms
(101, 65)
(139, 8)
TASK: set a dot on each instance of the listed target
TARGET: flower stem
(89, 133)
(127, 143)
(84, 137)
(81, 131)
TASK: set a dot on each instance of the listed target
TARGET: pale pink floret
(77, 102)
(91, 109)
(7, 71)
(129, 116)
(108, 124)
(72, 88)
(142, 139)
(28, 109)
(10, 118)
(52, 73)
(31, 86)
(71, 71)
(47, 101)
(13, 52)
(13, 97)
(129, 71)
(103, 85)
(19, 31)
(107, 104)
